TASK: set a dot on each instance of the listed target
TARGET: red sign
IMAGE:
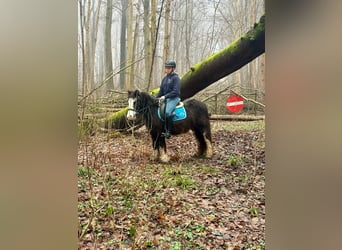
(234, 103)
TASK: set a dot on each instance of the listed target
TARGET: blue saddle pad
(180, 114)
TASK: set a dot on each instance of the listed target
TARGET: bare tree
(166, 32)
(252, 65)
(153, 38)
(108, 45)
(135, 41)
(81, 7)
(147, 41)
(129, 45)
(83, 55)
(89, 30)
(188, 31)
(123, 44)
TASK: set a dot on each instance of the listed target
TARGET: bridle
(138, 111)
(142, 110)
(146, 110)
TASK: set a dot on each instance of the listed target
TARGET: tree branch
(105, 80)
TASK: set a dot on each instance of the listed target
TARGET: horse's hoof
(154, 156)
(164, 158)
(208, 155)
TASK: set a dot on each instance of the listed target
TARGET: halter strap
(138, 111)
(142, 109)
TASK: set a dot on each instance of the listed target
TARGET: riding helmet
(170, 63)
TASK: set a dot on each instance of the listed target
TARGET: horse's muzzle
(131, 117)
(131, 114)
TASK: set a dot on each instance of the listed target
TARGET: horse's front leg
(163, 156)
(155, 146)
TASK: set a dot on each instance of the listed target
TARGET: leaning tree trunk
(237, 54)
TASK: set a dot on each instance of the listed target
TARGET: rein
(142, 110)
(139, 110)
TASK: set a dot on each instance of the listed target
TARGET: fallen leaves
(190, 203)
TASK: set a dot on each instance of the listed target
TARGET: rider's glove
(161, 99)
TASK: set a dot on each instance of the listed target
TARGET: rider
(170, 93)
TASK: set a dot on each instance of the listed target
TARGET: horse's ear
(132, 93)
(136, 93)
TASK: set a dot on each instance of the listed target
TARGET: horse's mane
(147, 99)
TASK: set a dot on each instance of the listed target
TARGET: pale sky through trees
(197, 29)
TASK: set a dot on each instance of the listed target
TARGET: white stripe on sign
(234, 103)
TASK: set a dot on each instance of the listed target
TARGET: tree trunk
(123, 43)
(129, 45)
(135, 42)
(84, 56)
(237, 117)
(151, 47)
(153, 40)
(237, 54)
(188, 30)
(166, 33)
(95, 29)
(108, 45)
(262, 72)
(86, 65)
(147, 41)
(252, 65)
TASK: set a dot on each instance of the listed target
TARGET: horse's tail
(203, 118)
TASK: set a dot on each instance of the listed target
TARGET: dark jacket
(170, 86)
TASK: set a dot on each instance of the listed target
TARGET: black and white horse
(197, 120)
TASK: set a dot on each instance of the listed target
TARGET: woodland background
(124, 44)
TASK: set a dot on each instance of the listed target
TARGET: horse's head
(132, 104)
(139, 103)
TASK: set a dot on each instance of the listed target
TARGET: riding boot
(168, 129)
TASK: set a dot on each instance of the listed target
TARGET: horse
(197, 120)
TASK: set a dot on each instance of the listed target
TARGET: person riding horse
(195, 118)
(170, 94)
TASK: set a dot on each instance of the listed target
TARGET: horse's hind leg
(204, 142)
(201, 143)
(207, 139)
(209, 147)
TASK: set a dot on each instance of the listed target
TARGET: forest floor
(128, 201)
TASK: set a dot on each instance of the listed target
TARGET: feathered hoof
(164, 158)
(209, 154)
(154, 156)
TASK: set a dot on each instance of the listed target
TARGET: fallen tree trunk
(237, 117)
(237, 54)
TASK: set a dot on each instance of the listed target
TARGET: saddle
(178, 114)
